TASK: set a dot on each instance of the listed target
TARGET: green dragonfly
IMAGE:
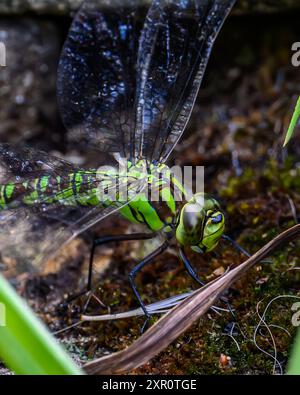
(126, 90)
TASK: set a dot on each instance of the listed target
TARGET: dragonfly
(128, 79)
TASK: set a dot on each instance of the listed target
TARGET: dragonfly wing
(17, 163)
(29, 237)
(175, 46)
(131, 91)
(96, 76)
(30, 234)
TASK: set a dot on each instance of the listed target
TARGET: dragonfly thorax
(198, 223)
(201, 223)
(158, 203)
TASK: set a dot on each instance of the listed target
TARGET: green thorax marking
(158, 204)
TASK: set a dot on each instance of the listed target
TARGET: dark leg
(195, 277)
(98, 242)
(110, 239)
(240, 249)
(138, 267)
(236, 245)
(189, 268)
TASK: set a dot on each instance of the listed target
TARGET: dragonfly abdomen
(76, 188)
(155, 207)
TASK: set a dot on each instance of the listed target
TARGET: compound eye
(217, 219)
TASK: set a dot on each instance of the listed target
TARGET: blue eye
(217, 219)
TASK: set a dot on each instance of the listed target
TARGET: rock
(66, 6)
(28, 81)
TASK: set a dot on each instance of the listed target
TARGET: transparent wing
(131, 91)
(175, 46)
(97, 78)
(18, 163)
(30, 234)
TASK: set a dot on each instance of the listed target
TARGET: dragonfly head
(201, 223)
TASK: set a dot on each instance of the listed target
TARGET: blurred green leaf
(26, 346)
(293, 123)
(294, 362)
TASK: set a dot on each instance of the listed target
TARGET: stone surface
(28, 81)
(65, 6)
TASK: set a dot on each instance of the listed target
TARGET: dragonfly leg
(240, 249)
(189, 268)
(96, 243)
(110, 239)
(148, 259)
(236, 245)
(195, 277)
